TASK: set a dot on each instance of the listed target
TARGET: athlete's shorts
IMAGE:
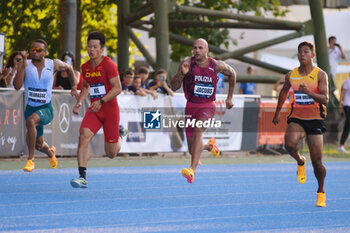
(313, 127)
(203, 111)
(46, 114)
(108, 117)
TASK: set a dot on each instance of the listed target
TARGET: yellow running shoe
(321, 200)
(301, 175)
(29, 166)
(53, 160)
(215, 150)
(188, 174)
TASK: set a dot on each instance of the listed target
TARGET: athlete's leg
(83, 148)
(112, 149)
(31, 122)
(42, 146)
(315, 143)
(292, 137)
(196, 145)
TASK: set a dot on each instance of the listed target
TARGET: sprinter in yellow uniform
(307, 113)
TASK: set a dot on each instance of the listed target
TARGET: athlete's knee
(291, 146)
(317, 164)
(30, 122)
(112, 152)
(83, 138)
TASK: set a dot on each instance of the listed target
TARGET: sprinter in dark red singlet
(199, 78)
(101, 80)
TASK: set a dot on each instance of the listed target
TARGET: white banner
(133, 109)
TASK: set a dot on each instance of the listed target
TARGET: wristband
(102, 101)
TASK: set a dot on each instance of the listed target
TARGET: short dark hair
(128, 72)
(70, 54)
(161, 71)
(97, 36)
(331, 38)
(10, 62)
(42, 42)
(308, 44)
(143, 70)
(137, 77)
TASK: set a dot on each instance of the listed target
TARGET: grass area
(169, 160)
(329, 150)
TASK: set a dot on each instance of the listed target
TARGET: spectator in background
(128, 77)
(344, 107)
(61, 79)
(136, 87)
(160, 85)
(143, 73)
(335, 52)
(248, 88)
(8, 73)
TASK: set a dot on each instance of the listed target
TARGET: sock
(82, 172)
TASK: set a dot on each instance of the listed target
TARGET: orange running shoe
(301, 175)
(321, 200)
(29, 166)
(53, 160)
(215, 150)
(188, 174)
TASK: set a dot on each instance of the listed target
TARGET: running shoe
(321, 200)
(342, 150)
(188, 174)
(122, 131)
(215, 150)
(79, 183)
(29, 166)
(301, 175)
(53, 160)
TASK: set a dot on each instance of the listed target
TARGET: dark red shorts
(203, 111)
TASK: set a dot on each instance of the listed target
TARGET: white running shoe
(79, 183)
(342, 150)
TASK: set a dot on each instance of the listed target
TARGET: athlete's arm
(227, 70)
(282, 98)
(177, 80)
(85, 89)
(322, 97)
(21, 66)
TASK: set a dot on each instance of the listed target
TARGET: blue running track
(223, 198)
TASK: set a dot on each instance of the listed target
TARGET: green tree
(214, 36)
(24, 21)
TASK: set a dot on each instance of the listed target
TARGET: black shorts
(313, 127)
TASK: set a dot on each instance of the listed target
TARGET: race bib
(37, 95)
(302, 98)
(97, 90)
(203, 90)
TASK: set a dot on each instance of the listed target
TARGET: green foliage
(24, 21)
(215, 36)
(100, 16)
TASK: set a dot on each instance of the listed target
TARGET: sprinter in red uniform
(101, 80)
(199, 78)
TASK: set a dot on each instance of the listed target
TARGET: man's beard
(36, 59)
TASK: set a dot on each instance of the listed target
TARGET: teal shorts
(46, 114)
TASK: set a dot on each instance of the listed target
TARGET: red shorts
(203, 111)
(108, 117)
